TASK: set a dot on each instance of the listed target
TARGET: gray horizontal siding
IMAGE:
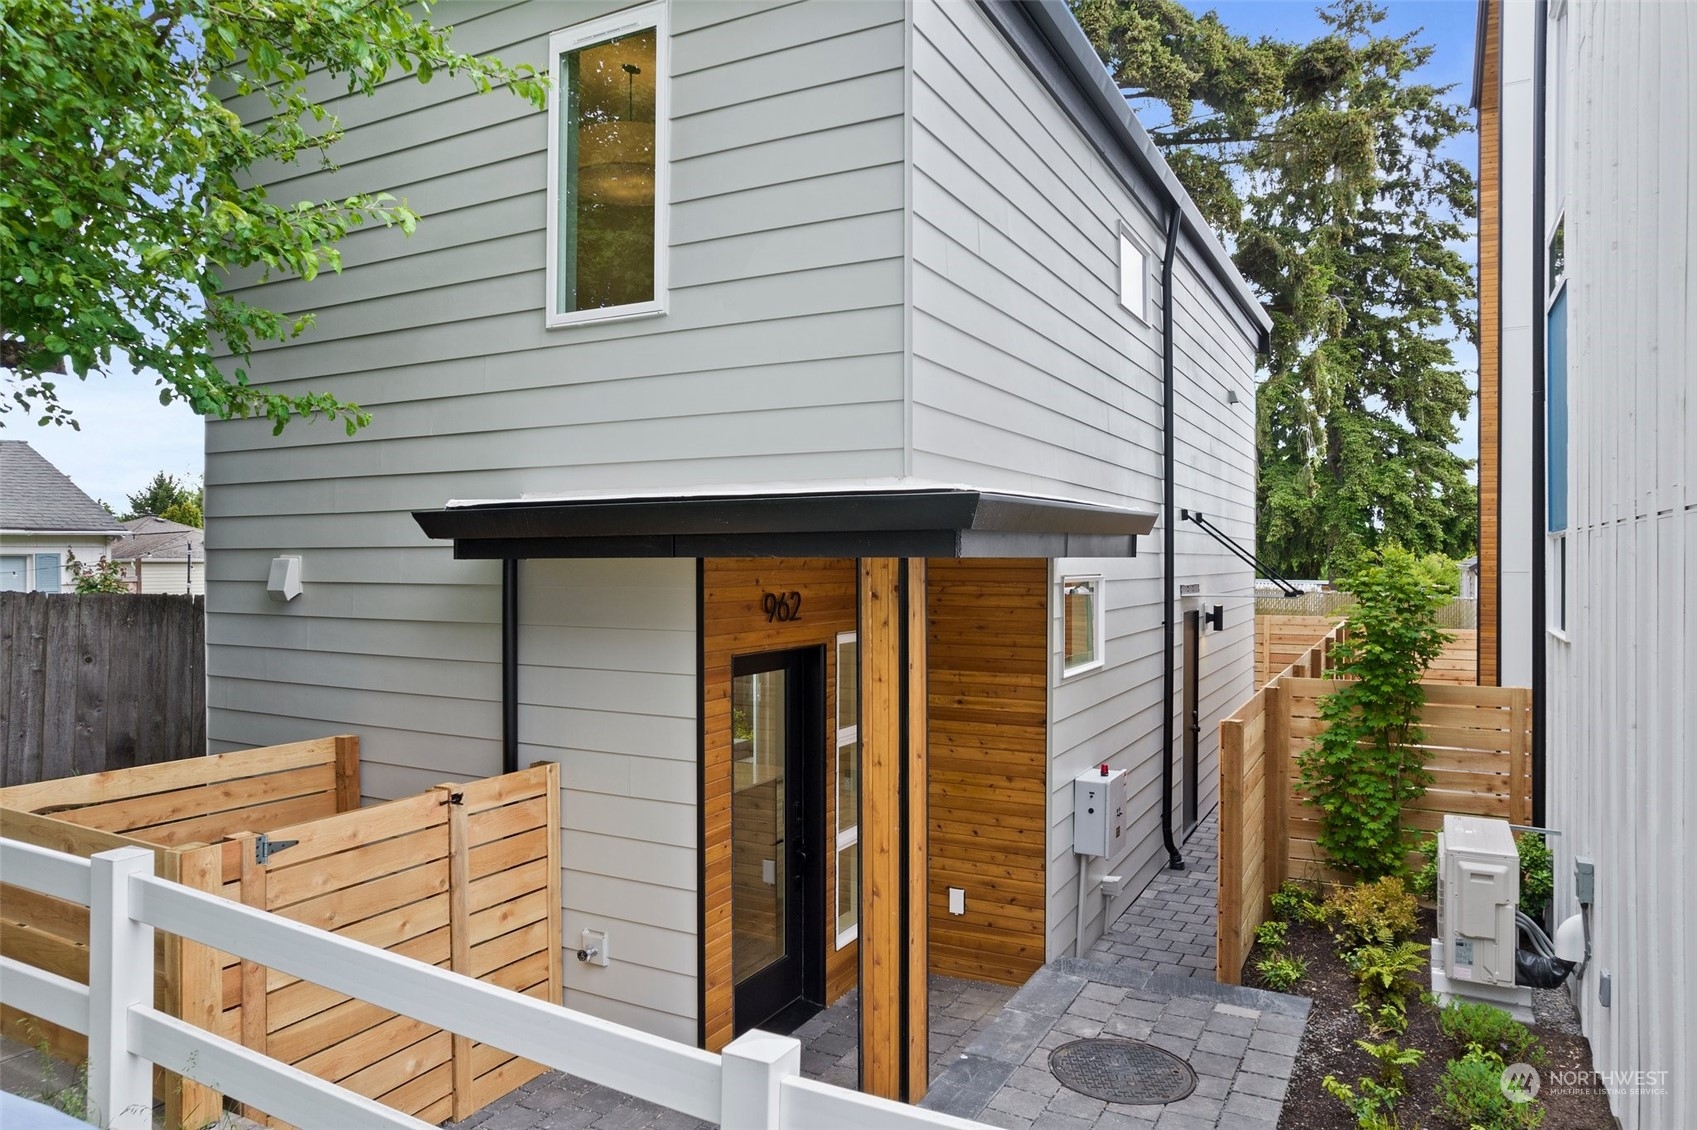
(1029, 375)
(780, 357)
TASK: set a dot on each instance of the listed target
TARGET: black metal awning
(844, 522)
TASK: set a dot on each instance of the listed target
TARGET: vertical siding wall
(1028, 375)
(780, 358)
(607, 689)
(1619, 739)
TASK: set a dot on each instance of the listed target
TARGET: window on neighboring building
(607, 168)
(48, 572)
(1555, 413)
(1081, 624)
(1134, 276)
(1556, 566)
(14, 573)
(848, 789)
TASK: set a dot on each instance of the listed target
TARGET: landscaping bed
(1330, 1048)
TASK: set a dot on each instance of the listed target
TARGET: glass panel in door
(760, 734)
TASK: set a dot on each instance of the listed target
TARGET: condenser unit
(1473, 955)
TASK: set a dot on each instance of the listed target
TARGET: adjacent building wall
(1621, 784)
(1029, 375)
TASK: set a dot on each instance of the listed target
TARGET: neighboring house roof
(36, 495)
(159, 539)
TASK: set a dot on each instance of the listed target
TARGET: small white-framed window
(608, 125)
(1134, 275)
(1555, 583)
(846, 777)
(1082, 622)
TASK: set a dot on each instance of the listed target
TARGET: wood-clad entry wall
(1490, 349)
(987, 643)
(734, 622)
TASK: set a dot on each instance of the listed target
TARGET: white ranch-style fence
(756, 1083)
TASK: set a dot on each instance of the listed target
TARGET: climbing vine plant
(1367, 765)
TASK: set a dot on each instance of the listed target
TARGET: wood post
(347, 772)
(1228, 953)
(194, 978)
(459, 936)
(1275, 771)
(1520, 754)
(894, 1026)
(255, 1015)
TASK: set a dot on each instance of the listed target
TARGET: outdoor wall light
(1216, 617)
(284, 584)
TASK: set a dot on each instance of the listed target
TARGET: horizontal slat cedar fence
(463, 876)
(99, 681)
(1478, 745)
(1280, 640)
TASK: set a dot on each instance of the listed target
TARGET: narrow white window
(848, 788)
(1134, 277)
(607, 152)
(1081, 624)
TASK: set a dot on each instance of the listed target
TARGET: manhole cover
(1122, 1071)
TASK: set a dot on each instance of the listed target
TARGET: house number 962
(781, 606)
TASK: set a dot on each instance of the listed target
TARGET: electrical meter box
(1099, 802)
(1478, 887)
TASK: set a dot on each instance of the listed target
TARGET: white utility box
(1098, 813)
(1478, 887)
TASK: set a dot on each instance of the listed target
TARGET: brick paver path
(1170, 928)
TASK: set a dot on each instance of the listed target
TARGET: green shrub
(1280, 971)
(1472, 1024)
(1380, 913)
(1392, 1061)
(1372, 1104)
(1271, 934)
(1367, 764)
(1294, 902)
(1384, 984)
(1471, 1093)
(1537, 873)
(1424, 882)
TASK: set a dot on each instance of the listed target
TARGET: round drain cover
(1122, 1071)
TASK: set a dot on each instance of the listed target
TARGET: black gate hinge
(264, 847)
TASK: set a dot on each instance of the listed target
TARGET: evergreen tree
(1340, 209)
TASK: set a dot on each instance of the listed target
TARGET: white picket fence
(756, 1083)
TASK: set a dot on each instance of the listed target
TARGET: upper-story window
(1134, 276)
(608, 120)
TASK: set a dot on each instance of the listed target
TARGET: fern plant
(1367, 765)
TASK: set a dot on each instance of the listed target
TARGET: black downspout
(509, 665)
(1540, 319)
(1169, 549)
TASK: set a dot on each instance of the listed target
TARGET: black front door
(1192, 712)
(777, 868)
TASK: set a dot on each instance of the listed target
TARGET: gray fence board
(99, 682)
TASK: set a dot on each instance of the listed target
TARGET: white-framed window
(1555, 584)
(1134, 275)
(846, 782)
(608, 126)
(1082, 623)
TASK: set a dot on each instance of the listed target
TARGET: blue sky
(127, 435)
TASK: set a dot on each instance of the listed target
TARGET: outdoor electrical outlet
(957, 900)
(592, 948)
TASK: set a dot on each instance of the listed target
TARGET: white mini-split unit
(1478, 888)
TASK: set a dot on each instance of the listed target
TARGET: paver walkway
(1150, 978)
(1170, 928)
